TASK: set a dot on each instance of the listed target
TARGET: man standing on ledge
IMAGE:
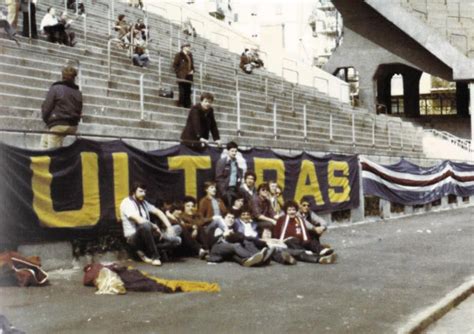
(183, 65)
(62, 109)
(200, 122)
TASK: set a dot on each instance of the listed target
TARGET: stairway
(112, 106)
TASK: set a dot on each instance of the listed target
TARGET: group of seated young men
(247, 225)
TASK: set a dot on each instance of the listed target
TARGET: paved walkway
(387, 272)
(459, 320)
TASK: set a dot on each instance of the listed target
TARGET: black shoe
(287, 258)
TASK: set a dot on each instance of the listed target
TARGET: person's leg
(50, 33)
(190, 245)
(44, 141)
(182, 93)
(26, 28)
(145, 60)
(13, 10)
(8, 29)
(187, 92)
(221, 251)
(56, 139)
(136, 60)
(144, 240)
(34, 31)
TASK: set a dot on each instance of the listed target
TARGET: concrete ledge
(54, 255)
(433, 313)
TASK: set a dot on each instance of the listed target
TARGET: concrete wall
(451, 18)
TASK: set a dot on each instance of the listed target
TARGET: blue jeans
(141, 60)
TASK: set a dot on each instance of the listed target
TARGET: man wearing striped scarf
(291, 229)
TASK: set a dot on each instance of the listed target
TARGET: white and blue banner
(409, 184)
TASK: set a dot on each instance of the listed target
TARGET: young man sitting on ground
(292, 230)
(262, 210)
(247, 189)
(229, 245)
(245, 225)
(140, 232)
(189, 245)
(315, 225)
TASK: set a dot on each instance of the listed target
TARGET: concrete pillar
(471, 111)
(358, 214)
(444, 202)
(462, 99)
(367, 92)
(385, 209)
(411, 92)
(409, 210)
(384, 91)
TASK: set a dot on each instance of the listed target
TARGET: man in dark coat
(183, 66)
(62, 109)
(200, 122)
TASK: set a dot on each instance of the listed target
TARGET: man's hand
(320, 229)
(170, 231)
(195, 232)
(191, 72)
(218, 142)
(204, 140)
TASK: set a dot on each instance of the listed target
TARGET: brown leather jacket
(181, 65)
(206, 211)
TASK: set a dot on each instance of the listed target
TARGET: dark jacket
(181, 65)
(223, 175)
(63, 104)
(199, 124)
(261, 206)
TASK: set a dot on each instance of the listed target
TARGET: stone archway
(411, 87)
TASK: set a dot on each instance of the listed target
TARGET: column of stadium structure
(471, 112)
(358, 214)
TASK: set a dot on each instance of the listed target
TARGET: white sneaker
(328, 259)
(326, 251)
(143, 257)
(156, 262)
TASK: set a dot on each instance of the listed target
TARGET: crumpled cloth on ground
(136, 280)
(185, 286)
(109, 283)
(16, 269)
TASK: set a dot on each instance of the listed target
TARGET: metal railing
(239, 129)
(67, 61)
(275, 129)
(283, 69)
(305, 124)
(116, 40)
(464, 144)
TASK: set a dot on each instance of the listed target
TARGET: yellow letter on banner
(338, 181)
(88, 215)
(303, 189)
(262, 164)
(121, 182)
(190, 164)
